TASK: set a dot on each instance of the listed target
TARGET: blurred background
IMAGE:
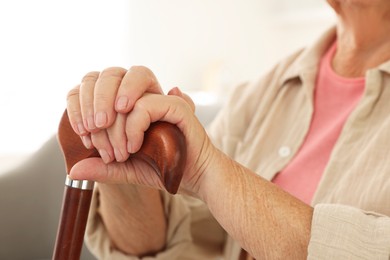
(206, 47)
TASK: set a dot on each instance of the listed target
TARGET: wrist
(215, 175)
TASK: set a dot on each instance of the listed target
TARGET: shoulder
(248, 94)
(249, 100)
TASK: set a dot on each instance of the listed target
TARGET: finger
(177, 92)
(117, 136)
(105, 91)
(96, 170)
(101, 142)
(135, 171)
(86, 139)
(87, 100)
(74, 111)
(138, 121)
(135, 83)
(151, 108)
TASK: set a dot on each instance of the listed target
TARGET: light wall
(216, 44)
(47, 46)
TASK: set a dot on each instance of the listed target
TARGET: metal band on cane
(79, 184)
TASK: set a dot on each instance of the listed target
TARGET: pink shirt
(334, 99)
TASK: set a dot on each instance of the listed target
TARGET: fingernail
(118, 155)
(179, 91)
(105, 156)
(122, 102)
(90, 123)
(101, 119)
(81, 129)
(175, 91)
(86, 141)
(129, 147)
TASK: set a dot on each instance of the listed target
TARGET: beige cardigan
(262, 127)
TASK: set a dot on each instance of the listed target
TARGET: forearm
(266, 221)
(134, 218)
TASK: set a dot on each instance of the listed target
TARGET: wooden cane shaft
(73, 219)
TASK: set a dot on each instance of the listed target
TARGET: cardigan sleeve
(344, 232)
(192, 232)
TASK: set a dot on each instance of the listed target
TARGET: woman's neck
(363, 36)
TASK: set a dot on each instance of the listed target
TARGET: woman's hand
(111, 111)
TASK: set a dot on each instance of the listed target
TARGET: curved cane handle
(163, 148)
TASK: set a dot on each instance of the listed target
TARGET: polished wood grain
(73, 219)
(163, 149)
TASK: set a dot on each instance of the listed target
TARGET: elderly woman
(313, 131)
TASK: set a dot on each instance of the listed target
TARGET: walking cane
(163, 149)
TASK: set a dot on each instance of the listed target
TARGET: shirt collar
(385, 67)
(308, 60)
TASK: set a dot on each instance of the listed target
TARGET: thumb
(94, 169)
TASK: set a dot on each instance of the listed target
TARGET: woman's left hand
(120, 133)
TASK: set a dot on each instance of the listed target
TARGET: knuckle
(179, 106)
(141, 104)
(180, 102)
(75, 115)
(141, 69)
(144, 72)
(116, 72)
(91, 76)
(103, 98)
(74, 92)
